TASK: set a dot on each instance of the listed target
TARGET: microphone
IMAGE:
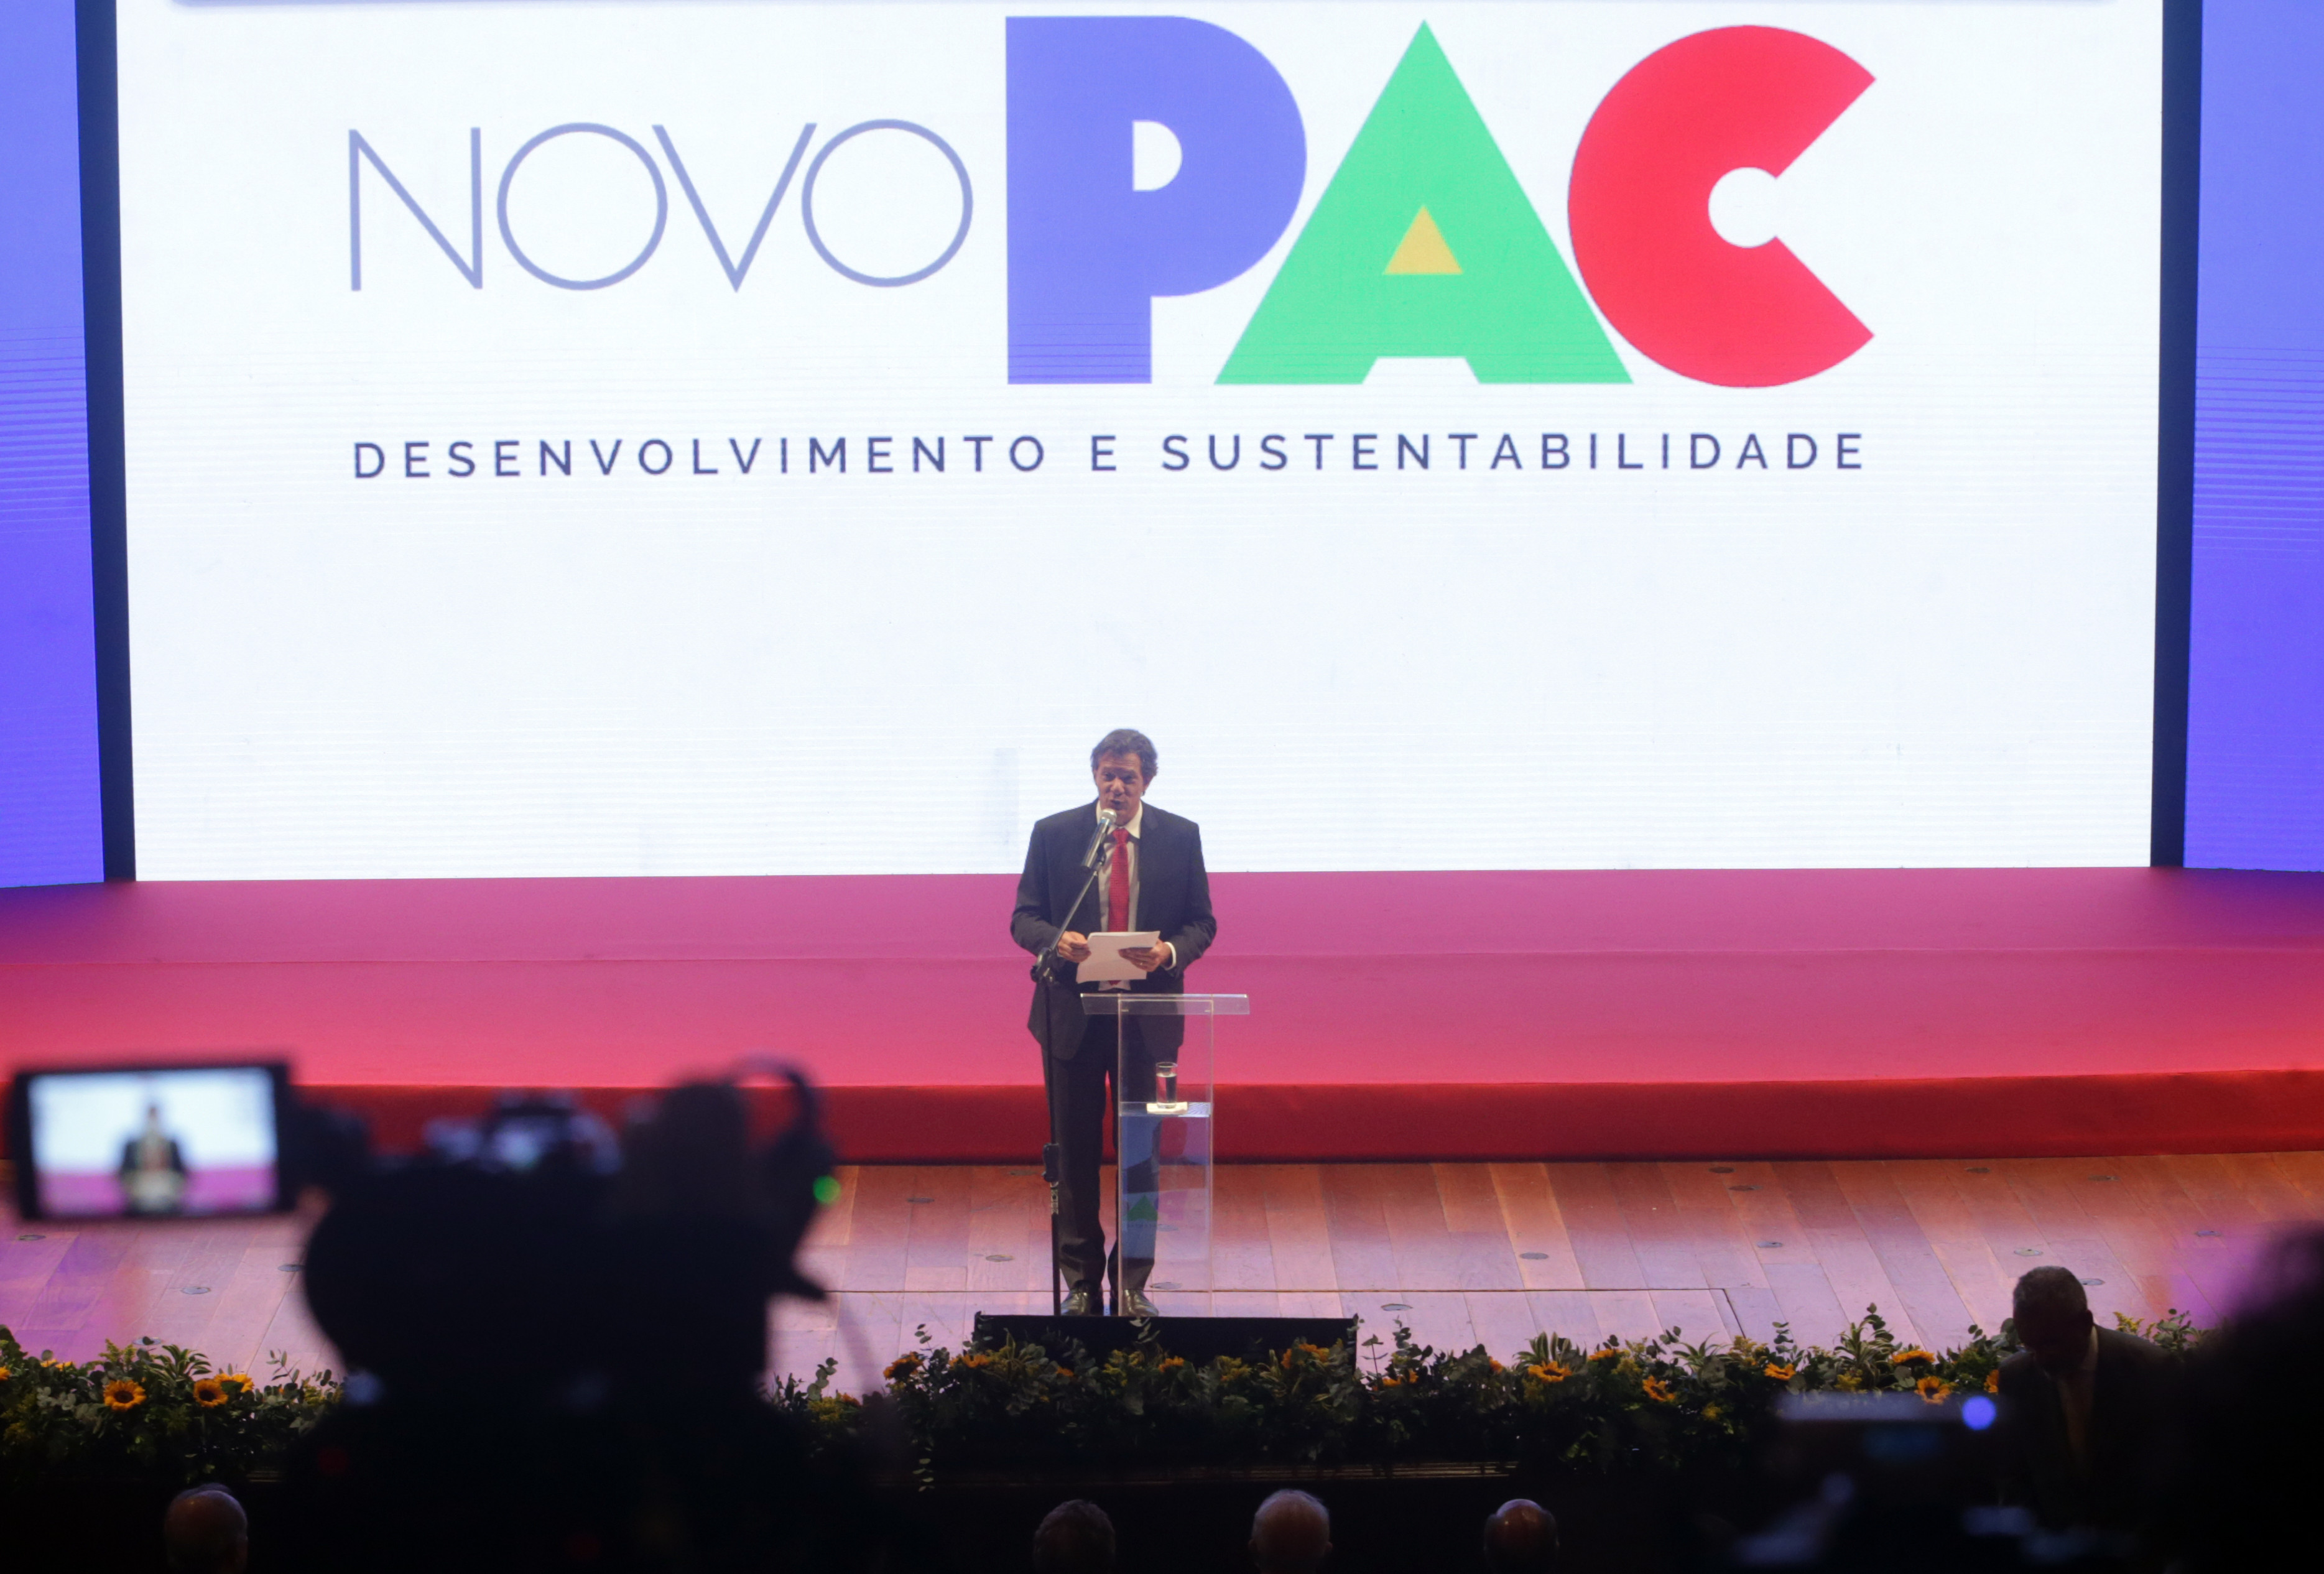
(1105, 821)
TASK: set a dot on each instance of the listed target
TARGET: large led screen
(2255, 677)
(668, 438)
(51, 827)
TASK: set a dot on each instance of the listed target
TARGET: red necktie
(1116, 885)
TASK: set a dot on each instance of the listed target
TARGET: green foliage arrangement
(1660, 1403)
(160, 1413)
(157, 1413)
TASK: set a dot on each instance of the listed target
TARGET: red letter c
(1686, 115)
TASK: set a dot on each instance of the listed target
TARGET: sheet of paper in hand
(1106, 964)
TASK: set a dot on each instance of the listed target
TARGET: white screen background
(1942, 659)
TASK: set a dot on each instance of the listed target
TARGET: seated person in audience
(1291, 1533)
(1075, 1537)
(2245, 1465)
(2084, 1408)
(204, 1531)
(1521, 1538)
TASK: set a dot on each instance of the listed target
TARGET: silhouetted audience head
(2250, 1454)
(690, 1157)
(1076, 1538)
(1521, 1538)
(205, 1532)
(1291, 1533)
(2053, 1317)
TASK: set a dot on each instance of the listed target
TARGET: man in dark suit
(1153, 878)
(153, 1174)
(2084, 1408)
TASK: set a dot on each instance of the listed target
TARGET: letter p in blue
(1087, 252)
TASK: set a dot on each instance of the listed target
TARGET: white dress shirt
(1137, 828)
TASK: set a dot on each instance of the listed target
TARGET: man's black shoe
(1080, 1304)
(1134, 1304)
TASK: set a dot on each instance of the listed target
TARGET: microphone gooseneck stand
(1045, 972)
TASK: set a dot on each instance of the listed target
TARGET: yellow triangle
(1423, 249)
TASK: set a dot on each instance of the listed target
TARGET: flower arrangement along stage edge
(163, 1414)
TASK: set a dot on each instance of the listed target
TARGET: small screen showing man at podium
(159, 1142)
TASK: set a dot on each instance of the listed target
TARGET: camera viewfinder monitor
(150, 1142)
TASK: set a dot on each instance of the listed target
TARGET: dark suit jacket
(2130, 1397)
(1174, 897)
(176, 1155)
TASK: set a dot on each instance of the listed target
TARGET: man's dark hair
(1075, 1537)
(2050, 1290)
(1126, 740)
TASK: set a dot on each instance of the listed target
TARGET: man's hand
(1073, 947)
(1150, 958)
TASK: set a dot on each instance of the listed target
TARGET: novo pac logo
(1424, 244)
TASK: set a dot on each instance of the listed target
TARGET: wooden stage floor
(1460, 1253)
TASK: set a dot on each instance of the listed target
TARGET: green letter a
(1476, 275)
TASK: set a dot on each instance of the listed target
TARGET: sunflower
(1993, 1381)
(1550, 1372)
(5, 1374)
(977, 1359)
(903, 1366)
(1906, 1357)
(239, 1381)
(121, 1394)
(1171, 1363)
(1932, 1388)
(1064, 1371)
(1660, 1392)
(1711, 1412)
(210, 1392)
(1610, 1353)
(1781, 1373)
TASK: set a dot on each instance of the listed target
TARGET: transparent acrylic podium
(1163, 1138)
